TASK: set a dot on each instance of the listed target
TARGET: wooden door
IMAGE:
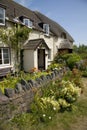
(41, 59)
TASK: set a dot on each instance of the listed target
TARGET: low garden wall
(16, 101)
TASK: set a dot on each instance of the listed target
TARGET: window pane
(2, 15)
(6, 58)
(49, 54)
(1, 11)
(5, 55)
(6, 61)
(0, 61)
(5, 50)
(30, 23)
(1, 21)
(0, 54)
(0, 57)
(46, 28)
(26, 22)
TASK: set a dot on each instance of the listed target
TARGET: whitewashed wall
(35, 59)
(49, 40)
(28, 60)
(30, 56)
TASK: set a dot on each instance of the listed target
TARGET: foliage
(10, 81)
(68, 59)
(84, 73)
(56, 98)
(21, 122)
(75, 76)
(77, 58)
(71, 59)
(14, 38)
(84, 65)
(54, 66)
(66, 120)
(81, 50)
(51, 110)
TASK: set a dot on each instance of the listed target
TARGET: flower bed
(59, 96)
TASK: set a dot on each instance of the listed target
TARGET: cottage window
(46, 29)
(4, 56)
(28, 22)
(63, 35)
(49, 54)
(2, 16)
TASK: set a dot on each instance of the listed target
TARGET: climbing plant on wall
(14, 38)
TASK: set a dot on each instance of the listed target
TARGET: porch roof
(65, 44)
(33, 44)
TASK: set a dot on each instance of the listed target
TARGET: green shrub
(84, 73)
(72, 59)
(56, 98)
(54, 66)
(11, 81)
(8, 82)
(67, 59)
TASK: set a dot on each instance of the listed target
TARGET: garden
(58, 105)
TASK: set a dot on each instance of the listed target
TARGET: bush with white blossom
(57, 97)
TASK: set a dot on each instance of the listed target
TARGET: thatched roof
(15, 10)
(35, 43)
(65, 44)
(54, 27)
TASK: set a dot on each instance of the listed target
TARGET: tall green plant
(68, 59)
(14, 38)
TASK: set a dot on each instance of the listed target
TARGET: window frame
(63, 35)
(29, 22)
(3, 19)
(49, 54)
(46, 29)
(3, 58)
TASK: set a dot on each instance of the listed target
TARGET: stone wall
(16, 101)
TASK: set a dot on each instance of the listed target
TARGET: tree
(75, 48)
(14, 38)
(81, 50)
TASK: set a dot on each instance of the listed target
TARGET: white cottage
(45, 40)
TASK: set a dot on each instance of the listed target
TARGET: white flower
(54, 108)
(44, 115)
(50, 117)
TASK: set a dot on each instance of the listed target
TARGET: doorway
(41, 59)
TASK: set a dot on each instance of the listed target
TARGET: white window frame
(46, 29)
(2, 56)
(49, 54)
(29, 22)
(3, 18)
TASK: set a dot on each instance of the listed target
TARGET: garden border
(16, 101)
